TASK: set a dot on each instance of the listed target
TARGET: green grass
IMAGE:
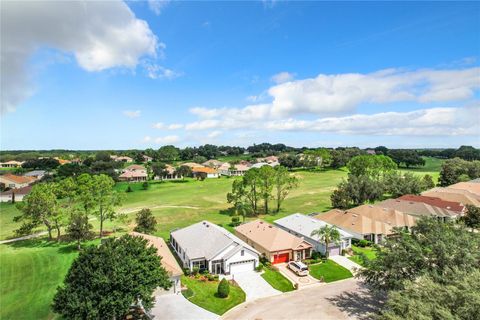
(368, 252)
(277, 280)
(7, 227)
(205, 295)
(30, 272)
(432, 167)
(329, 271)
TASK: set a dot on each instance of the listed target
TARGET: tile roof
(18, 179)
(168, 260)
(468, 186)
(192, 165)
(135, 167)
(417, 208)
(390, 216)
(20, 191)
(35, 173)
(270, 237)
(133, 174)
(434, 201)
(204, 169)
(463, 196)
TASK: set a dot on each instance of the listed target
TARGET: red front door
(280, 258)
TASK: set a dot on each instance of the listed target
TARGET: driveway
(346, 299)
(301, 281)
(254, 285)
(346, 263)
(171, 306)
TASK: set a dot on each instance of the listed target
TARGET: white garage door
(242, 266)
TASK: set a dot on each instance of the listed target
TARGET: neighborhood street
(346, 299)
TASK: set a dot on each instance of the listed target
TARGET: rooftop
(417, 208)
(434, 201)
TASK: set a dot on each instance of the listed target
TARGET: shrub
(195, 271)
(186, 271)
(264, 260)
(204, 271)
(145, 185)
(187, 293)
(259, 268)
(235, 222)
(364, 243)
(129, 189)
(223, 288)
(215, 277)
(210, 277)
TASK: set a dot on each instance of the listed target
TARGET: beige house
(122, 159)
(212, 163)
(192, 165)
(418, 209)
(457, 195)
(368, 222)
(277, 245)
(170, 173)
(15, 194)
(168, 260)
(11, 164)
(467, 186)
(134, 173)
(14, 182)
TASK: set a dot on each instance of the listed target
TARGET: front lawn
(368, 252)
(329, 271)
(204, 295)
(277, 280)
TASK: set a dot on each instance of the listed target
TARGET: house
(467, 186)
(456, 195)
(134, 173)
(192, 165)
(302, 226)
(122, 159)
(276, 244)
(370, 152)
(368, 222)
(15, 194)
(268, 160)
(170, 173)
(168, 261)
(207, 246)
(456, 207)
(227, 169)
(147, 158)
(418, 209)
(212, 163)
(206, 172)
(37, 174)
(14, 182)
(11, 164)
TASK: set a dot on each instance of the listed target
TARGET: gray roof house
(207, 246)
(302, 226)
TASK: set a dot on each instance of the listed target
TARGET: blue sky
(117, 75)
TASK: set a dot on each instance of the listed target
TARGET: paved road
(170, 306)
(346, 299)
(254, 285)
(31, 236)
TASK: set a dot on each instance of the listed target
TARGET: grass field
(277, 280)
(432, 167)
(329, 271)
(368, 252)
(205, 295)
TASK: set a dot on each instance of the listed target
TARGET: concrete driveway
(346, 299)
(301, 281)
(346, 263)
(254, 285)
(171, 306)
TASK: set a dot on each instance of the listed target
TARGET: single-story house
(227, 169)
(269, 159)
(457, 195)
(17, 194)
(205, 245)
(302, 226)
(209, 172)
(121, 159)
(456, 207)
(11, 164)
(168, 260)
(276, 244)
(212, 163)
(37, 174)
(147, 158)
(134, 173)
(468, 186)
(13, 181)
(418, 209)
(368, 222)
(170, 173)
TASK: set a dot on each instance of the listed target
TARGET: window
(242, 253)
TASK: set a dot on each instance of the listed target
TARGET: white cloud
(282, 77)
(132, 114)
(167, 139)
(99, 34)
(147, 139)
(214, 134)
(157, 5)
(155, 71)
(159, 125)
(175, 126)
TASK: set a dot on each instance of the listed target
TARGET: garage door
(334, 251)
(242, 266)
(280, 258)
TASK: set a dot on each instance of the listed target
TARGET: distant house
(134, 173)
(37, 174)
(368, 222)
(302, 226)
(62, 161)
(170, 173)
(456, 195)
(212, 163)
(371, 152)
(227, 169)
(261, 164)
(206, 172)
(192, 165)
(418, 209)
(168, 261)
(14, 182)
(11, 164)
(456, 207)
(17, 194)
(268, 160)
(276, 244)
(207, 246)
(147, 158)
(122, 159)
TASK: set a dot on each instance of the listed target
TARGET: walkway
(30, 236)
(346, 263)
(171, 306)
(254, 285)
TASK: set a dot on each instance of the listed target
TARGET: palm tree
(327, 234)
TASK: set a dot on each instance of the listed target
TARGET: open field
(432, 167)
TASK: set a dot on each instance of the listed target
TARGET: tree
(168, 153)
(159, 169)
(468, 153)
(356, 191)
(223, 289)
(104, 281)
(139, 157)
(199, 159)
(381, 150)
(266, 178)
(372, 166)
(472, 217)
(406, 157)
(454, 169)
(40, 206)
(398, 184)
(78, 228)
(72, 170)
(327, 234)
(104, 198)
(41, 164)
(184, 171)
(103, 156)
(246, 191)
(146, 222)
(433, 248)
(427, 182)
(283, 183)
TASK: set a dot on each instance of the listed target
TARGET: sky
(142, 74)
